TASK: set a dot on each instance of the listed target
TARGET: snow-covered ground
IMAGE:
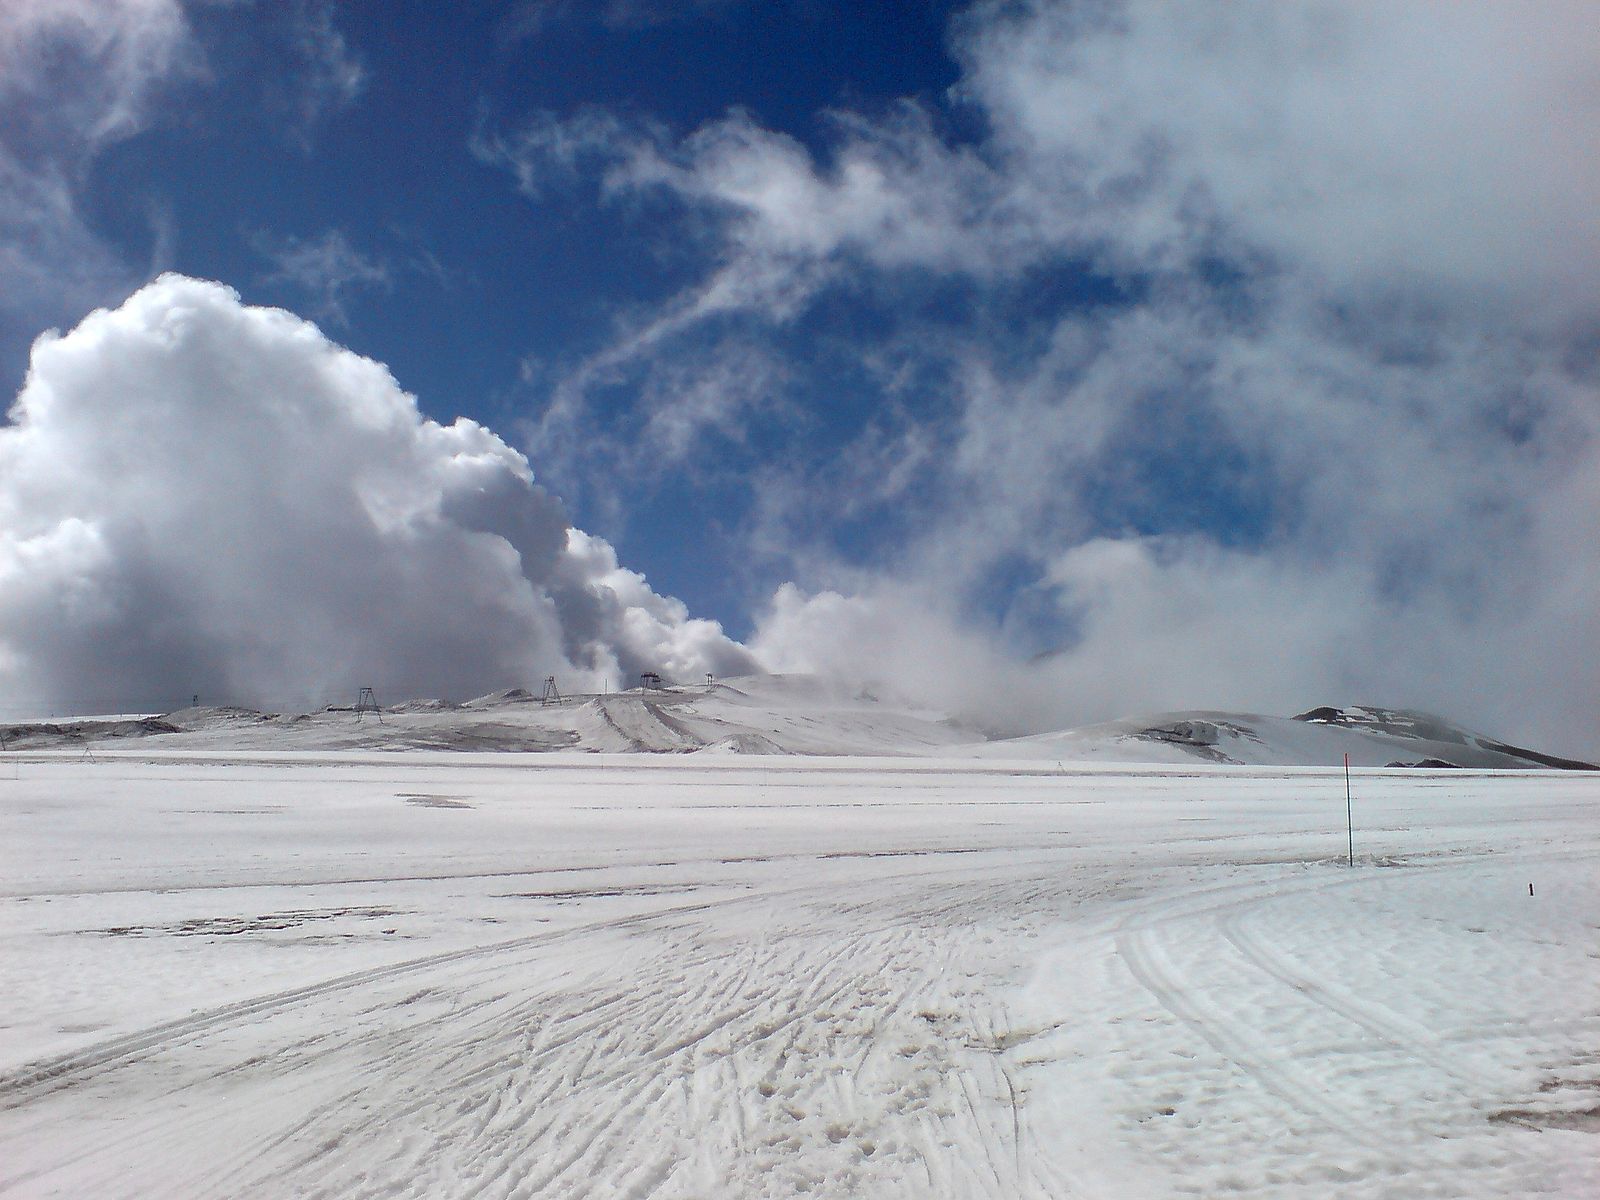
(347, 974)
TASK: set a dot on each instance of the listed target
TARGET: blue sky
(350, 130)
(1069, 357)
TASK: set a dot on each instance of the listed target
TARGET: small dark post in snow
(1349, 818)
(1530, 889)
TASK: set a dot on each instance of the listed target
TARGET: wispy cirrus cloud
(532, 17)
(327, 271)
(79, 76)
(327, 76)
(75, 77)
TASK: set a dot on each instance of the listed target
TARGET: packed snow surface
(329, 973)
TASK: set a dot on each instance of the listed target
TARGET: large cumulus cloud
(199, 496)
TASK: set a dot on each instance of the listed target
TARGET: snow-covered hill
(799, 714)
(766, 714)
(1372, 737)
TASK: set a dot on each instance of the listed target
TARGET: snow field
(423, 975)
(1297, 1037)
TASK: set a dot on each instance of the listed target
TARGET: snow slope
(1371, 737)
(790, 714)
(413, 974)
(771, 714)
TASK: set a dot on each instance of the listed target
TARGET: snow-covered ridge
(798, 714)
(1423, 726)
(1372, 737)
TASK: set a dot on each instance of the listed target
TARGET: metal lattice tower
(552, 694)
(367, 702)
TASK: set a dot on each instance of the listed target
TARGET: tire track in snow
(1141, 937)
(601, 1124)
(1409, 1037)
(484, 1091)
(1146, 957)
(585, 1037)
(1210, 1005)
(23, 1084)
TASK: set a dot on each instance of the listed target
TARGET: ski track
(1322, 1056)
(807, 1040)
(867, 1031)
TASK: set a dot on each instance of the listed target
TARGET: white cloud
(1409, 145)
(533, 17)
(900, 636)
(1428, 540)
(1328, 445)
(326, 269)
(546, 149)
(626, 626)
(328, 76)
(893, 192)
(75, 76)
(200, 496)
(1388, 145)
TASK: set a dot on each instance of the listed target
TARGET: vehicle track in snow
(1405, 1036)
(1147, 944)
(1251, 975)
(29, 1082)
(839, 1051)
